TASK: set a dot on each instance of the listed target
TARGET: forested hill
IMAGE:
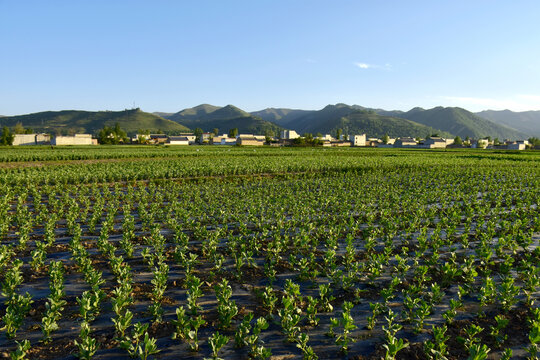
(76, 121)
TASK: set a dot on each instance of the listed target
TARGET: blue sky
(169, 55)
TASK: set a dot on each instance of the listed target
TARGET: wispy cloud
(519, 102)
(363, 65)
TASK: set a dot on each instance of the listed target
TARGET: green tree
(534, 141)
(143, 136)
(269, 134)
(19, 128)
(458, 141)
(114, 135)
(7, 137)
(385, 139)
(338, 133)
(105, 135)
(233, 132)
(496, 141)
(198, 134)
(215, 131)
(119, 133)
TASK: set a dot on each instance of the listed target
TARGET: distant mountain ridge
(457, 121)
(354, 119)
(280, 116)
(208, 117)
(527, 122)
(445, 121)
(196, 112)
(77, 121)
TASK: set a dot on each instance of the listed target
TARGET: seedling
(18, 307)
(347, 323)
(290, 316)
(502, 322)
(325, 298)
(217, 341)
(311, 311)
(86, 344)
(393, 345)
(258, 351)
(307, 351)
(438, 349)
(20, 352)
(226, 308)
(139, 343)
(243, 331)
(478, 352)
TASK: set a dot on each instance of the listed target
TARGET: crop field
(238, 252)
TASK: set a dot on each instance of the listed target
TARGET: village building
(227, 141)
(435, 143)
(31, 139)
(158, 138)
(289, 135)
(480, 144)
(216, 140)
(190, 136)
(405, 142)
(140, 138)
(178, 140)
(340, 143)
(43, 139)
(24, 139)
(358, 140)
(250, 140)
(326, 137)
(517, 145)
(456, 146)
(77, 139)
(205, 137)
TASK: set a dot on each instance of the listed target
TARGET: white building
(191, 137)
(326, 137)
(480, 144)
(518, 145)
(24, 139)
(289, 135)
(405, 142)
(435, 143)
(178, 140)
(77, 139)
(228, 141)
(358, 140)
(43, 139)
(252, 140)
(223, 140)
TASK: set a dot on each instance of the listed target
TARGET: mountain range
(351, 119)
(76, 121)
(525, 121)
(458, 122)
(449, 121)
(208, 117)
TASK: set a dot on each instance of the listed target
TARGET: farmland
(156, 252)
